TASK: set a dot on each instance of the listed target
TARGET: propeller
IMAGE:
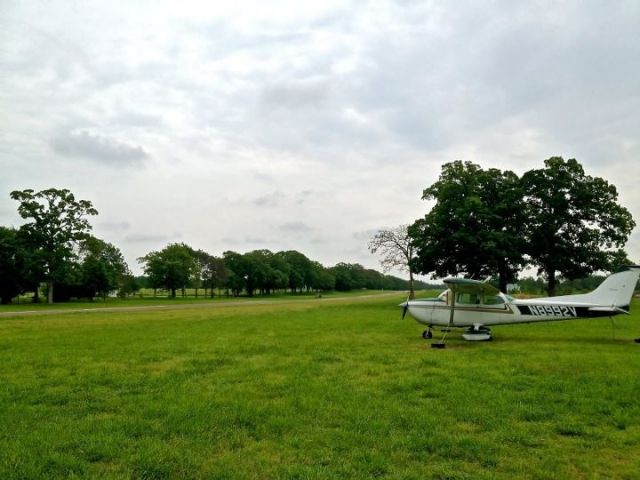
(405, 307)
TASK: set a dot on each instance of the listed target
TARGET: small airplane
(476, 305)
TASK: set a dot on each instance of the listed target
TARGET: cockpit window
(467, 298)
(493, 300)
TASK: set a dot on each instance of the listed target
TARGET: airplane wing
(466, 285)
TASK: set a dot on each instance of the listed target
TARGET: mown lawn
(25, 304)
(314, 389)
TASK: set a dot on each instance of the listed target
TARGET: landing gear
(441, 343)
(427, 334)
(477, 333)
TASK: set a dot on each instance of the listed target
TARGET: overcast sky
(304, 125)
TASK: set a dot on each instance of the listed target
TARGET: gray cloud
(364, 235)
(303, 196)
(298, 93)
(114, 226)
(137, 119)
(98, 148)
(273, 199)
(253, 240)
(295, 227)
(150, 238)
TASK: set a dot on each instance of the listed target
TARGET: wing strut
(441, 343)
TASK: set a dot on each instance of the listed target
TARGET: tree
(58, 223)
(171, 268)
(265, 271)
(396, 248)
(11, 265)
(349, 276)
(211, 270)
(322, 279)
(475, 226)
(128, 285)
(575, 224)
(300, 270)
(238, 272)
(103, 267)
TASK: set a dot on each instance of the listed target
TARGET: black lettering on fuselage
(552, 311)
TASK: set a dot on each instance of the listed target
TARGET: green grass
(314, 389)
(149, 299)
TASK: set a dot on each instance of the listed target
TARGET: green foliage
(475, 226)
(103, 267)
(56, 247)
(211, 271)
(172, 267)
(348, 276)
(239, 272)
(322, 278)
(128, 286)
(575, 225)
(12, 265)
(491, 223)
(353, 276)
(302, 272)
(58, 223)
(265, 271)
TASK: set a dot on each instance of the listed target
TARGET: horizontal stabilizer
(612, 310)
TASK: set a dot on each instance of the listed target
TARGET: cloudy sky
(304, 125)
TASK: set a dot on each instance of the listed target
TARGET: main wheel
(427, 334)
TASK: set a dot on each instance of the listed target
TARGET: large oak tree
(475, 226)
(575, 225)
(58, 223)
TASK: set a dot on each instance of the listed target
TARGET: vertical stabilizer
(617, 289)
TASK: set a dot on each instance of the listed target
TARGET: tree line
(493, 223)
(55, 249)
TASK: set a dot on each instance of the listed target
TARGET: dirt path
(187, 306)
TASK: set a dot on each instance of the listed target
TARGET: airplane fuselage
(478, 305)
(436, 312)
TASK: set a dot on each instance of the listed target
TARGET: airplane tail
(616, 290)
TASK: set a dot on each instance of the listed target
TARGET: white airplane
(477, 305)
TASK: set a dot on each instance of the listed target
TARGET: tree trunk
(412, 293)
(50, 292)
(551, 282)
(502, 280)
(36, 294)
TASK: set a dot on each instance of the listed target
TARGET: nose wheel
(427, 334)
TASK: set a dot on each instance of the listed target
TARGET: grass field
(25, 304)
(319, 388)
